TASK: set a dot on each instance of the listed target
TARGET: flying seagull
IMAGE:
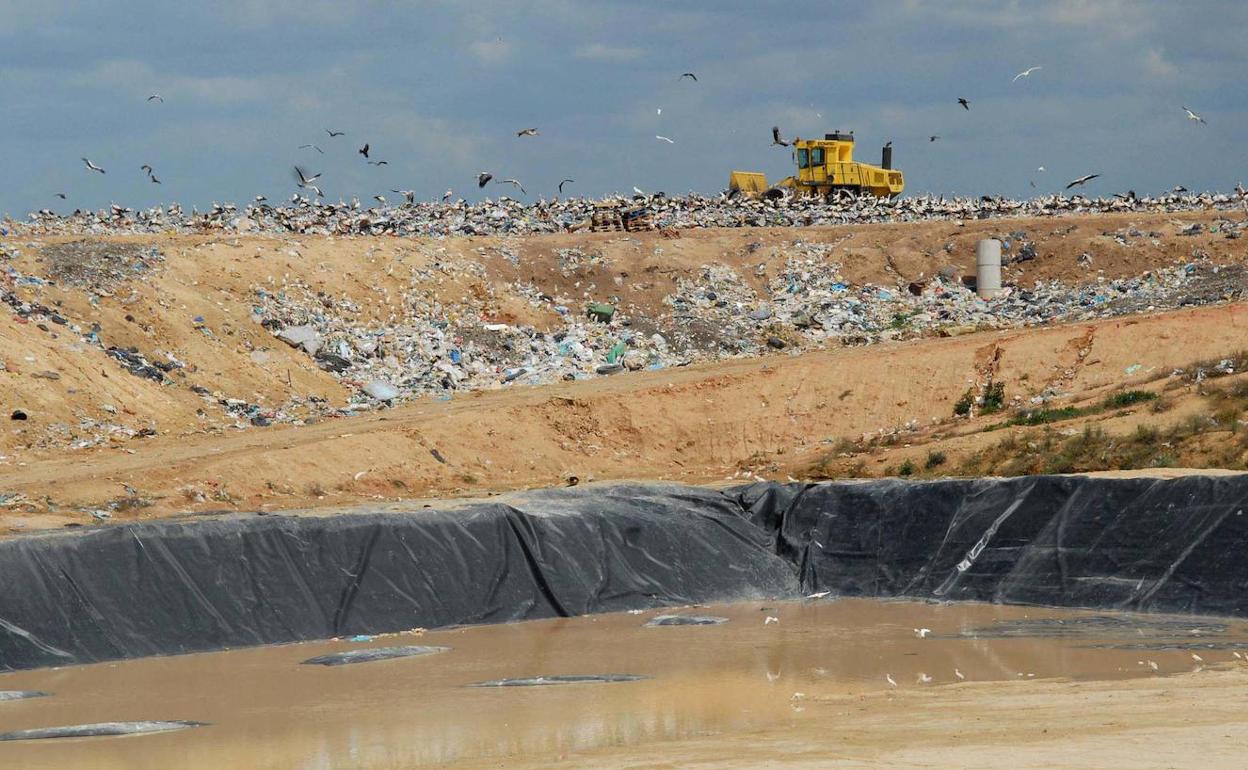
(1026, 73)
(689, 75)
(146, 168)
(484, 178)
(563, 182)
(965, 104)
(156, 98)
(775, 137)
(446, 196)
(514, 182)
(1041, 168)
(61, 196)
(408, 195)
(1193, 116)
(664, 138)
(379, 163)
(335, 133)
(527, 132)
(313, 146)
(1081, 180)
(306, 181)
(153, 179)
(932, 138)
(363, 150)
(92, 167)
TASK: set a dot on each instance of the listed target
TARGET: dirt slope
(98, 437)
(777, 417)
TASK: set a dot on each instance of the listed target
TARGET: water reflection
(268, 711)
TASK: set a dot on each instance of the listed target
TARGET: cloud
(1155, 63)
(609, 53)
(491, 51)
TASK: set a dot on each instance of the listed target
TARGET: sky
(439, 88)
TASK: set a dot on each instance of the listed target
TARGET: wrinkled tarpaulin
(171, 587)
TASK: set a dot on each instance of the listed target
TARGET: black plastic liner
(168, 587)
(174, 587)
(1172, 545)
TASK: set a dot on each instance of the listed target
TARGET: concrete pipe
(988, 268)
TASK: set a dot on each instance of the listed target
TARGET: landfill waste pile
(463, 320)
(438, 348)
(507, 215)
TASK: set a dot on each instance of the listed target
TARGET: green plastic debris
(602, 312)
(617, 351)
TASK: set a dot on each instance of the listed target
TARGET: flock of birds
(305, 180)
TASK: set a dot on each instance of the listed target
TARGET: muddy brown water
(267, 710)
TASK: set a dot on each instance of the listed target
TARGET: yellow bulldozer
(826, 167)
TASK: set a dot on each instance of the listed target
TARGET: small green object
(602, 311)
(617, 350)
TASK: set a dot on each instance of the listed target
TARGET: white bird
(513, 182)
(891, 681)
(658, 111)
(1025, 73)
(770, 619)
(1152, 664)
(1081, 180)
(772, 677)
(922, 632)
(924, 678)
(446, 196)
(92, 167)
(304, 179)
(1197, 658)
(527, 132)
(408, 195)
(959, 674)
(664, 138)
(1193, 116)
(818, 595)
(1040, 169)
(306, 182)
(637, 190)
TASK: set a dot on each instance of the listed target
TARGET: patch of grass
(935, 459)
(994, 397)
(1128, 398)
(906, 468)
(962, 407)
(1045, 416)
